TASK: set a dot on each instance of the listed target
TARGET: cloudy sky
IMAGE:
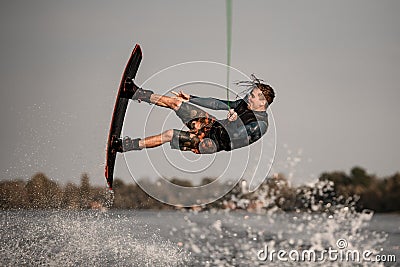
(335, 66)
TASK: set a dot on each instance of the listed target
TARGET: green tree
(43, 193)
(84, 192)
(13, 195)
(71, 197)
(359, 176)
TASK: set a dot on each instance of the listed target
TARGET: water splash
(62, 238)
(109, 198)
(233, 238)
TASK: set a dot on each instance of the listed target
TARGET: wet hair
(255, 82)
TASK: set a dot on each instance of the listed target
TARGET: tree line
(378, 194)
(358, 188)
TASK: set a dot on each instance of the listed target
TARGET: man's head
(260, 97)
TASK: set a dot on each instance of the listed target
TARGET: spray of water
(233, 238)
(65, 238)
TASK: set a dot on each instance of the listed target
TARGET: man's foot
(116, 144)
(126, 144)
(130, 89)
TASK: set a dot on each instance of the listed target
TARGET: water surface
(176, 238)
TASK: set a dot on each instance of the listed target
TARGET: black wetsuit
(228, 135)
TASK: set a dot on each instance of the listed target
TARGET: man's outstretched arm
(207, 102)
(212, 103)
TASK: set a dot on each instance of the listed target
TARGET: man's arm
(213, 103)
(207, 102)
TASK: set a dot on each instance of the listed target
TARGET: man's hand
(181, 96)
(232, 115)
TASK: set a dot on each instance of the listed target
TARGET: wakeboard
(118, 115)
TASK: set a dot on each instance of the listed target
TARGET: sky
(335, 67)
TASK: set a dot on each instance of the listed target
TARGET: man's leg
(194, 142)
(132, 91)
(165, 101)
(156, 140)
(128, 144)
(181, 140)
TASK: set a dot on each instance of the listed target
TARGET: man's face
(256, 100)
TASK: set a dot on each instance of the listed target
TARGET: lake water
(177, 238)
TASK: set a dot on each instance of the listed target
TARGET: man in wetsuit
(247, 120)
